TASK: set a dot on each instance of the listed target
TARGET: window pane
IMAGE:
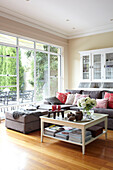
(8, 81)
(40, 46)
(53, 75)
(7, 51)
(55, 49)
(41, 75)
(26, 75)
(26, 43)
(8, 95)
(7, 39)
(7, 66)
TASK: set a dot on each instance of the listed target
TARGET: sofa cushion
(109, 96)
(78, 96)
(49, 107)
(62, 96)
(74, 91)
(104, 111)
(102, 103)
(93, 94)
(103, 92)
(53, 100)
(97, 110)
(75, 108)
(70, 99)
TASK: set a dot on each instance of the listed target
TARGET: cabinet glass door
(109, 66)
(85, 61)
(96, 66)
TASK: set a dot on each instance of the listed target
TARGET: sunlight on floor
(16, 159)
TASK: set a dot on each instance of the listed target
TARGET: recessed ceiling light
(74, 28)
(67, 20)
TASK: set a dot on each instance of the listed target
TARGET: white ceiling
(86, 16)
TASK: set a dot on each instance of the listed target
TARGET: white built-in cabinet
(97, 65)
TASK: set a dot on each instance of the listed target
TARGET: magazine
(54, 128)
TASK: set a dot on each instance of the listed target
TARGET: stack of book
(65, 133)
(51, 130)
(76, 135)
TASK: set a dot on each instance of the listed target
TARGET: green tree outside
(8, 67)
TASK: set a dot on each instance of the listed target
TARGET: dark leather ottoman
(25, 123)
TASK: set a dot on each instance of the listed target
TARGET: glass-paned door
(109, 66)
(41, 75)
(26, 75)
(86, 67)
(8, 75)
(53, 75)
(96, 65)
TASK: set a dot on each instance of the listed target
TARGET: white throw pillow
(70, 99)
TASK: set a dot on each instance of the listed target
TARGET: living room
(75, 27)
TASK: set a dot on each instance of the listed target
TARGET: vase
(79, 115)
(87, 113)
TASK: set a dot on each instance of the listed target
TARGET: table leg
(54, 115)
(106, 127)
(42, 129)
(83, 141)
(62, 114)
(58, 113)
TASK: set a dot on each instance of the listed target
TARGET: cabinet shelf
(97, 71)
(85, 63)
(99, 64)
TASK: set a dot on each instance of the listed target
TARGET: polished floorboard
(25, 152)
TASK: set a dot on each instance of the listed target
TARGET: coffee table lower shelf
(77, 143)
(83, 126)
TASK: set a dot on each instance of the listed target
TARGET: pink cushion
(109, 96)
(62, 96)
(78, 96)
(102, 103)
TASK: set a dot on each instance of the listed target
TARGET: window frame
(17, 46)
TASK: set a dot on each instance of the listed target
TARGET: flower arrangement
(86, 103)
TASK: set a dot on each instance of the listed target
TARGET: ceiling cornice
(4, 12)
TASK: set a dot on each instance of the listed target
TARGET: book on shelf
(54, 128)
(79, 140)
(78, 133)
(51, 130)
(63, 134)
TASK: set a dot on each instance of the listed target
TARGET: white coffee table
(98, 118)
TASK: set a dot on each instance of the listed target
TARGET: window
(8, 76)
(42, 84)
(41, 46)
(26, 43)
(28, 68)
(7, 39)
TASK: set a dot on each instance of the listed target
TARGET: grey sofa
(97, 94)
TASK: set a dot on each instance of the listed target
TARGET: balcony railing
(10, 98)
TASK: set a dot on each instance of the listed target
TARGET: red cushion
(62, 96)
(110, 99)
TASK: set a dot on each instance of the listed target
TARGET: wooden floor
(25, 152)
